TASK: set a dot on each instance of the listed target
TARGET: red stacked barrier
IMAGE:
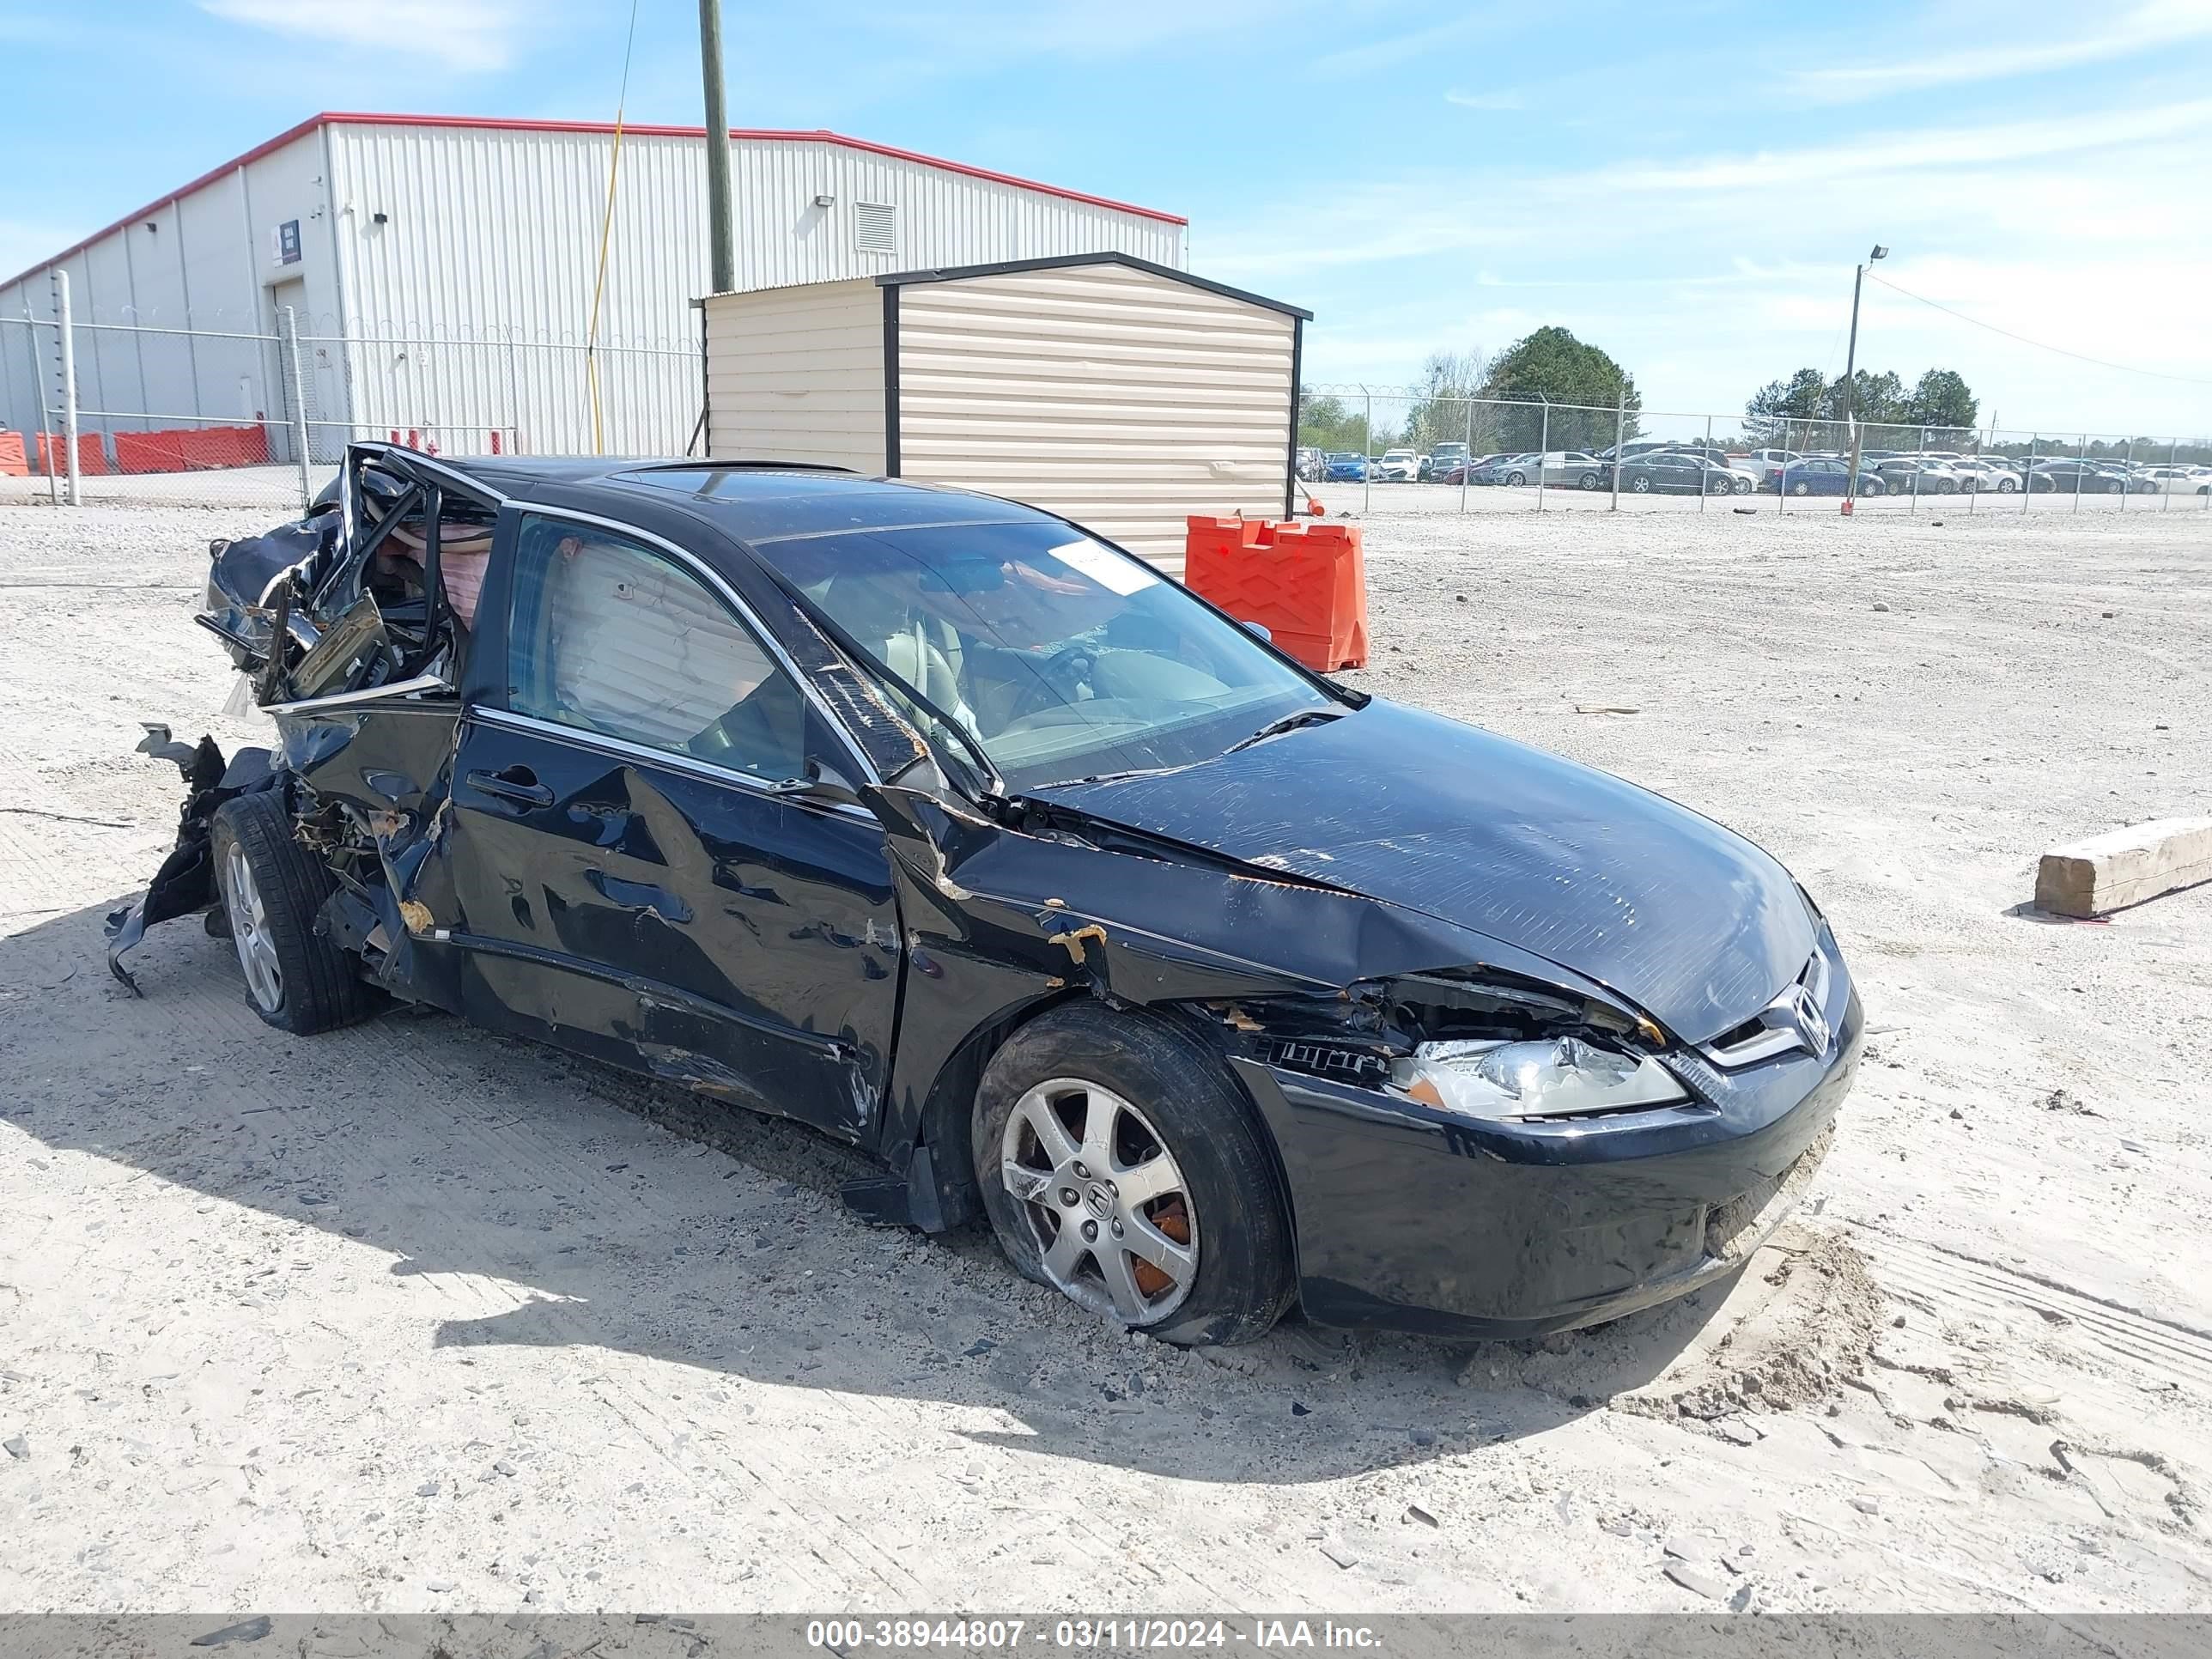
(12, 462)
(1306, 584)
(191, 448)
(91, 455)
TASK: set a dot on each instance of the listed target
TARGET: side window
(611, 635)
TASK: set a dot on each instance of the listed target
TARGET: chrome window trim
(419, 686)
(752, 623)
(624, 749)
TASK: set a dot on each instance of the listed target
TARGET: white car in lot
(2180, 480)
(1398, 466)
(1977, 475)
(1569, 467)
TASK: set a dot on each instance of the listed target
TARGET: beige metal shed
(1122, 393)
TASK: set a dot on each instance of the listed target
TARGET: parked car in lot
(1464, 472)
(940, 824)
(1824, 475)
(1346, 467)
(1916, 475)
(2180, 480)
(1496, 470)
(1568, 467)
(1664, 471)
(2066, 476)
(1979, 474)
(1442, 458)
(1311, 463)
(1398, 466)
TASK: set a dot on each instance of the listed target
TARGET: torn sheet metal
(185, 882)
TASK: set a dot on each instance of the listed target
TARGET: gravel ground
(409, 1317)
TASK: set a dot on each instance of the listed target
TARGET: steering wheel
(1060, 677)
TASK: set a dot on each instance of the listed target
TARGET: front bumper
(1411, 1219)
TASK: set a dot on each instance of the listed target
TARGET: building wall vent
(875, 228)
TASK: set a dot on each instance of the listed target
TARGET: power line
(2124, 369)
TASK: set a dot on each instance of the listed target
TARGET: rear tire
(1127, 1091)
(1800, 487)
(272, 889)
(1516, 479)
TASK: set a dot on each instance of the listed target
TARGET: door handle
(515, 783)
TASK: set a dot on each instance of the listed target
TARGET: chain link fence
(261, 415)
(217, 416)
(1375, 450)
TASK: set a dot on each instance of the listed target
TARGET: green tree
(1326, 423)
(1443, 410)
(1875, 399)
(1772, 412)
(1943, 403)
(1552, 365)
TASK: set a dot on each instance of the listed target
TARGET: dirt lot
(409, 1317)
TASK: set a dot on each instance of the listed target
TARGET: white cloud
(477, 36)
(1711, 274)
(2161, 23)
(1507, 99)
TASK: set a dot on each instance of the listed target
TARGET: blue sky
(1687, 185)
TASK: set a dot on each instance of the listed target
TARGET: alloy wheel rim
(249, 932)
(1104, 1200)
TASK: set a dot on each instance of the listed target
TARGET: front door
(630, 884)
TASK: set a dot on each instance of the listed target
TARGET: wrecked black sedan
(939, 823)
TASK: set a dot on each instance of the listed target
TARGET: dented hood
(1687, 920)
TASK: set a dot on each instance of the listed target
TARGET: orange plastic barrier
(1305, 583)
(12, 464)
(91, 455)
(191, 448)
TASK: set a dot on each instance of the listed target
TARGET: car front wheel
(1121, 1165)
(1591, 481)
(272, 887)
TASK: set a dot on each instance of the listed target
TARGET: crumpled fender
(186, 881)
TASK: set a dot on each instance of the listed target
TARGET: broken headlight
(1554, 1077)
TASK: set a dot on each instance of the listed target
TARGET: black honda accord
(944, 825)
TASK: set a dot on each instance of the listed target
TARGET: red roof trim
(495, 123)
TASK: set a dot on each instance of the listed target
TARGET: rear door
(633, 885)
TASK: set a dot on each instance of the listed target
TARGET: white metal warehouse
(1118, 391)
(443, 269)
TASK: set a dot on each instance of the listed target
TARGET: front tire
(1121, 1165)
(1743, 486)
(272, 888)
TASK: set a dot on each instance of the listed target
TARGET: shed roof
(1065, 261)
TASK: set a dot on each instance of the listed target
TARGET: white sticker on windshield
(1111, 571)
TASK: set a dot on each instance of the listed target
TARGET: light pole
(1851, 374)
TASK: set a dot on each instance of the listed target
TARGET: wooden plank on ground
(2121, 867)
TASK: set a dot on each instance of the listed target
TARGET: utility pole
(723, 240)
(1850, 373)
